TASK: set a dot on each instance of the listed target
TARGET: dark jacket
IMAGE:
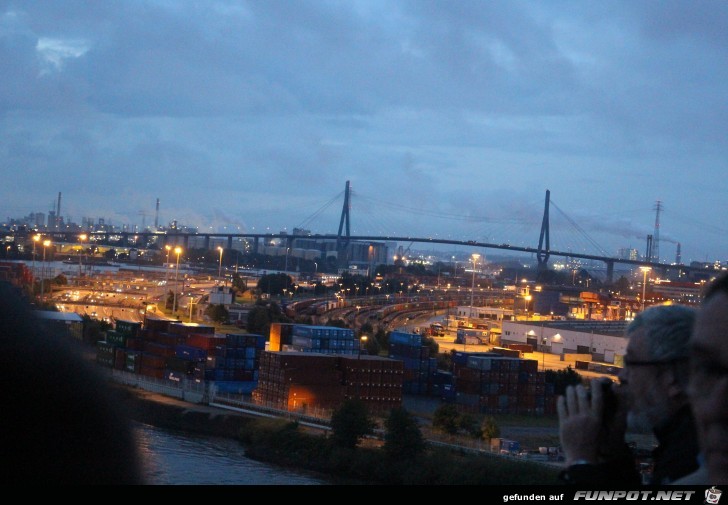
(675, 456)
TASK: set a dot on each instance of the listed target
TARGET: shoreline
(305, 450)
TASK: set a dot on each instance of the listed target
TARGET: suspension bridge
(543, 249)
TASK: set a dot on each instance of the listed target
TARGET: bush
(403, 438)
(350, 423)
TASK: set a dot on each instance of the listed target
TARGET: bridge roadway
(123, 240)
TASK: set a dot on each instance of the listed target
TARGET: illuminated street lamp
(219, 269)
(526, 299)
(166, 264)
(36, 239)
(362, 341)
(644, 284)
(177, 251)
(81, 239)
(475, 257)
(46, 243)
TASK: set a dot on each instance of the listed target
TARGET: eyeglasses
(637, 362)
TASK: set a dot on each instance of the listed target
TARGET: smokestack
(678, 256)
(58, 211)
(156, 217)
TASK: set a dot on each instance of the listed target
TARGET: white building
(605, 341)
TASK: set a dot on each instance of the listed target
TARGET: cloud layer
(254, 114)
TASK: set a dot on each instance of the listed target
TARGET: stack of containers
(442, 385)
(182, 359)
(112, 351)
(323, 340)
(419, 367)
(374, 380)
(494, 384)
(299, 380)
(236, 364)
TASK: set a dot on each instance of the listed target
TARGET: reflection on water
(172, 457)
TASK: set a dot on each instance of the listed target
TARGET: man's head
(655, 374)
(709, 379)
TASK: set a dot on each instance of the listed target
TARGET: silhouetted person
(709, 385)
(59, 423)
(652, 396)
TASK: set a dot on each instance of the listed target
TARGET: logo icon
(712, 495)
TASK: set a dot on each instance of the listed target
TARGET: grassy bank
(284, 443)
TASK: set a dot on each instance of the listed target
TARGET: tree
(337, 323)
(239, 284)
(622, 286)
(93, 329)
(382, 337)
(274, 284)
(430, 342)
(445, 419)
(373, 346)
(563, 378)
(366, 328)
(170, 300)
(403, 438)
(217, 313)
(262, 315)
(350, 423)
(60, 280)
(469, 424)
(489, 428)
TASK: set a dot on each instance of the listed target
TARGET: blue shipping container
(411, 339)
(190, 353)
(236, 387)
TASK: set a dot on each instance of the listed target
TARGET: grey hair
(667, 329)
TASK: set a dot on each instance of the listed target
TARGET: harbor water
(171, 457)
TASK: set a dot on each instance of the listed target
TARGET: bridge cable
(581, 230)
(318, 212)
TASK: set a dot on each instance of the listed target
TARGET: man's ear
(669, 381)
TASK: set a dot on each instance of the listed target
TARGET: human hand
(580, 424)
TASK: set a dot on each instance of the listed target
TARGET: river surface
(172, 457)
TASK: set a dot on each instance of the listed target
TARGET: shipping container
(235, 387)
(128, 328)
(153, 324)
(205, 341)
(190, 353)
(411, 339)
(179, 328)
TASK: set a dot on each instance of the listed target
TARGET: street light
(166, 265)
(192, 304)
(362, 341)
(644, 284)
(36, 238)
(475, 257)
(46, 243)
(526, 299)
(219, 269)
(177, 251)
(81, 238)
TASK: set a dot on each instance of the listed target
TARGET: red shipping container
(205, 341)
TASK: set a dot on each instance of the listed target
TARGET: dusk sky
(450, 118)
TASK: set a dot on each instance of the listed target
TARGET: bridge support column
(207, 243)
(610, 272)
(255, 245)
(230, 242)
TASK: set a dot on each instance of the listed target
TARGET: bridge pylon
(543, 253)
(342, 242)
